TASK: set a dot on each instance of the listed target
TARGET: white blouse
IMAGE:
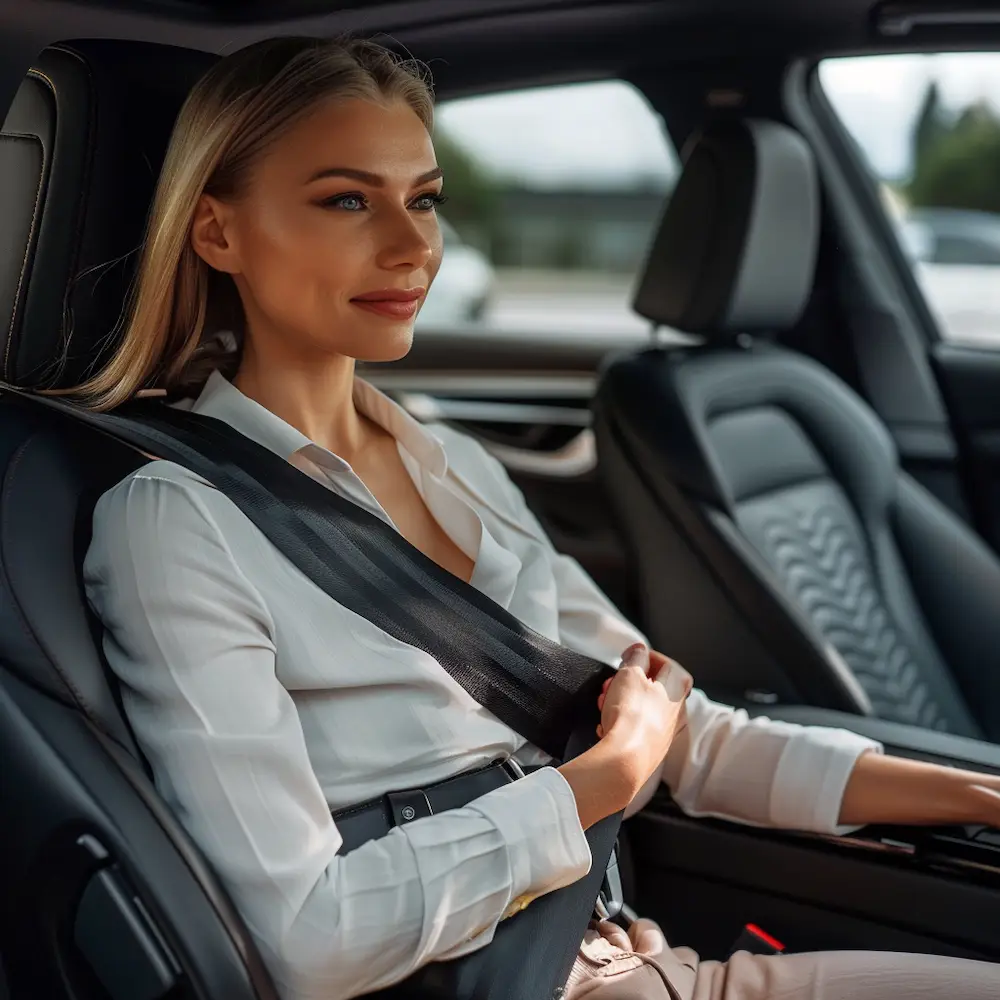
(262, 704)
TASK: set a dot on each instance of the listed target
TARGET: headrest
(736, 249)
(80, 150)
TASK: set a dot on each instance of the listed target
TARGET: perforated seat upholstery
(781, 549)
(97, 880)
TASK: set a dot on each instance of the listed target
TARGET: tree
(957, 165)
(931, 125)
(473, 191)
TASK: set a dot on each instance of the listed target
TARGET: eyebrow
(373, 180)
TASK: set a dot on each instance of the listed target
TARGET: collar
(222, 400)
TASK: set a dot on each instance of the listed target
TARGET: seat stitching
(27, 253)
(82, 203)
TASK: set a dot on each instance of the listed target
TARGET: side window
(928, 126)
(553, 194)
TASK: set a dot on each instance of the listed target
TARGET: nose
(406, 242)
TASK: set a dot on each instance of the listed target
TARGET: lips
(394, 303)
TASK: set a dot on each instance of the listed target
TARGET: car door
(923, 153)
(553, 196)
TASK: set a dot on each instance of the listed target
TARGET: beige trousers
(639, 965)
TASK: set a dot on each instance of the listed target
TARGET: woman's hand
(658, 668)
(642, 710)
(885, 789)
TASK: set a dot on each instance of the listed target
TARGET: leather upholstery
(80, 150)
(781, 485)
(722, 261)
(49, 477)
(79, 153)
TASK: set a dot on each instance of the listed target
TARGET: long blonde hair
(179, 306)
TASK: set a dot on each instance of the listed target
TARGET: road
(559, 303)
(966, 301)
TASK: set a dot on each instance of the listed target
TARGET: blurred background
(553, 197)
(555, 192)
(929, 128)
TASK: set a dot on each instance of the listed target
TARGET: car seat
(782, 552)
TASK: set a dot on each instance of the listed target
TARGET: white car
(462, 288)
(956, 258)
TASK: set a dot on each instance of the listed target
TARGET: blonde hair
(179, 306)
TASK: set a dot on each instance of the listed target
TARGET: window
(554, 194)
(928, 127)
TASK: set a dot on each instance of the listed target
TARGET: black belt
(376, 817)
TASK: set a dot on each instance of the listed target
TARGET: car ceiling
(523, 36)
(475, 44)
(618, 28)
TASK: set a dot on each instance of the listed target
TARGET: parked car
(463, 286)
(956, 259)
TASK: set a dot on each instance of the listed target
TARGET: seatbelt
(534, 685)
(542, 690)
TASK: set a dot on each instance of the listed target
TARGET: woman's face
(334, 242)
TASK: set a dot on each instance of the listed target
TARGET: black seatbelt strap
(539, 688)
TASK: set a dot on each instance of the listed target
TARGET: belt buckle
(507, 761)
(408, 806)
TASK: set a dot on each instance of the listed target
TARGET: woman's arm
(894, 790)
(723, 764)
(191, 639)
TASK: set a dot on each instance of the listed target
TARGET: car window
(928, 127)
(553, 194)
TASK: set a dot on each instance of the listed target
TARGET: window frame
(811, 103)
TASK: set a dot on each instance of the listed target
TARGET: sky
(605, 133)
(587, 134)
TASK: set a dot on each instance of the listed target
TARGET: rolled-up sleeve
(190, 638)
(762, 772)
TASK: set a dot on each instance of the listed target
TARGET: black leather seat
(782, 552)
(102, 894)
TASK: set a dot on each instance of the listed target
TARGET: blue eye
(428, 202)
(350, 202)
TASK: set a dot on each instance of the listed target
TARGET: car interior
(781, 471)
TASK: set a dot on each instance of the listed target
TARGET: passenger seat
(782, 552)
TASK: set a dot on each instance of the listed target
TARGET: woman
(296, 209)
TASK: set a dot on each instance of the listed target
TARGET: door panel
(703, 880)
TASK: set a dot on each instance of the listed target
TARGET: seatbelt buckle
(611, 898)
(757, 942)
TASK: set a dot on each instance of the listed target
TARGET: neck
(314, 395)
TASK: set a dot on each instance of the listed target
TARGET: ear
(212, 234)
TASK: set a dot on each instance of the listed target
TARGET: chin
(385, 348)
